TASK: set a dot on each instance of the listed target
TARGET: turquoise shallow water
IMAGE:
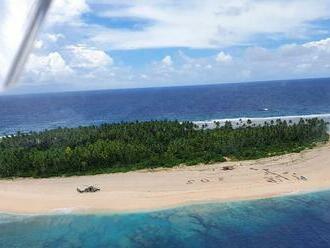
(292, 221)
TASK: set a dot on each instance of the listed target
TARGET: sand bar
(163, 188)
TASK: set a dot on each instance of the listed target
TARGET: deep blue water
(295, 221)
(281, 98)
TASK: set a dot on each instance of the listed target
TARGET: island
(157, 164)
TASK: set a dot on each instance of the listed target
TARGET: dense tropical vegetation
(129, 146)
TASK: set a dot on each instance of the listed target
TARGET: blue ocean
(262, 99)
(291, 221)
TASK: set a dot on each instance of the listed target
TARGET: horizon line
(159, 87)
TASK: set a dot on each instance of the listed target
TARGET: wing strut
(37, 18)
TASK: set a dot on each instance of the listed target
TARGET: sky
(110, 44)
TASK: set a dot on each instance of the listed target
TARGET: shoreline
(210, 122)
(166, 188)
(260, 120)
(65, 211)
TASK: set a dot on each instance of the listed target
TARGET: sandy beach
(163, 188)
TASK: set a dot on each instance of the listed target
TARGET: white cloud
(144, 76)
(167, 61)
(67, 12)
(219, 25)
(38, 44)
(51, 64)
(256, 63)
(88, 57)
(13, 21)
(303, 66)
(291, 61)
(76, 67)
(323, 45)
(223, 57)
(13, 15)
(54, 37)
(209, 24)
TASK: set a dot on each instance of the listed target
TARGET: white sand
(145, 190)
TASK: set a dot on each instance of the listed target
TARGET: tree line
(137, 145)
